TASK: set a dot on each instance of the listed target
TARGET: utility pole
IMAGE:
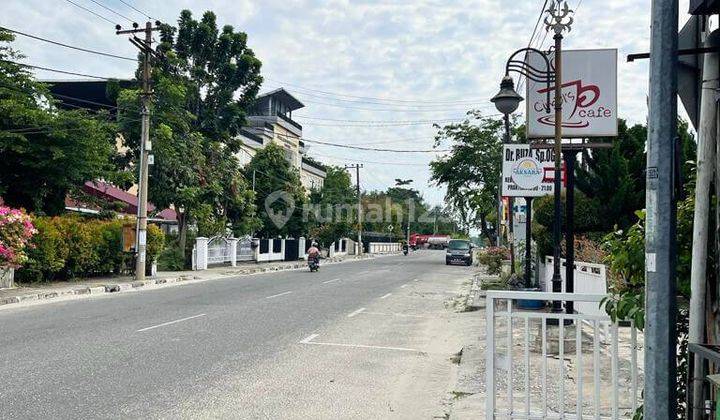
(707, 137)
(660, 242)
(359, 209)
(145, 47)
(253, 180)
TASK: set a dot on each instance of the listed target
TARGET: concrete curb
(137, 285)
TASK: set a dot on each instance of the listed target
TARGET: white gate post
(201, 257)
(255, 244)
(232, 244)
(301, 248)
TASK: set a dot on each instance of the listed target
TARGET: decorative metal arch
(536, 75)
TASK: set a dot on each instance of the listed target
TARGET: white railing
(384, 247)
(535, 371)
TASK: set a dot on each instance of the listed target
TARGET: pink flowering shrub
(16, 230)
(492, 257)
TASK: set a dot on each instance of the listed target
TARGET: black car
(459, 251)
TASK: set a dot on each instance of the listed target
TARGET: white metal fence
(245, 250)
(589, 278)
(537, 367)
(218, 250)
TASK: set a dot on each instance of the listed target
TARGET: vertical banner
(589, 96)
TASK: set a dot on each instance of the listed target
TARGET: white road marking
(309, 339)
(383, 297)
(395, 314)
(403, 286)
(330, 281)
(170, 323)
(415, 279)
(279, 294)
(356, 312)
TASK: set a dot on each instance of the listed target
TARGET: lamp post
(558, 20)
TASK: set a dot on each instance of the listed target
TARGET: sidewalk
(35, 292)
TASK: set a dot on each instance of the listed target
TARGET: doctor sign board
(527, 172)
(589, 96)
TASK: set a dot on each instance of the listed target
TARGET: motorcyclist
(314, 252)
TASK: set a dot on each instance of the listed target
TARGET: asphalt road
(179, 351)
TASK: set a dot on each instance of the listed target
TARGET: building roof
(109, 192)
(90, 94)
(284, 96)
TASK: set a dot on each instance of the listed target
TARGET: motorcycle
(405, 250)
(314, 264)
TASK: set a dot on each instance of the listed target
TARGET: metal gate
(244, 249)
(218, 250)
(291, 249)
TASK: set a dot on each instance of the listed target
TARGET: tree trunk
(484, 229)
(182, 232)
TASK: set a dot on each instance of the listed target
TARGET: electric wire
(537, 23)
(112, 11)
(92, 12)
(135, 9)
(408, 107)
(32, 66)
(373, 98)
(87, 50)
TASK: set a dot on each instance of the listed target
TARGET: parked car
(459, 251)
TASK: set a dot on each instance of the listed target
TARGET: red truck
(418, 240)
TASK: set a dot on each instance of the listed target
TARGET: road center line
(309, 339)
(330, 281)
(356, 312)
(169, 323)
(383, 297)
(279, 294)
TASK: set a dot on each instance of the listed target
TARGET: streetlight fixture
(558, 20)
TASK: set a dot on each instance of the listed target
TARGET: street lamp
(507, 101)
(558, 21)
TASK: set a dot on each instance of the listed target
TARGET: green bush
(589, 220)
(171, 259)
(67, 247)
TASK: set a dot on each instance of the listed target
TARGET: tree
(333, 206)
(46, 152)
(204, 82)
(614, 179)
(471, 171)
(277, 190)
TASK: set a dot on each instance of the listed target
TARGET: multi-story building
(271, 122)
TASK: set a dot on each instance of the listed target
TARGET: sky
(370, 73)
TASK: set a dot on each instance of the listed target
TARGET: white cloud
(417, 50)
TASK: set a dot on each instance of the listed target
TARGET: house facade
(271, 122)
